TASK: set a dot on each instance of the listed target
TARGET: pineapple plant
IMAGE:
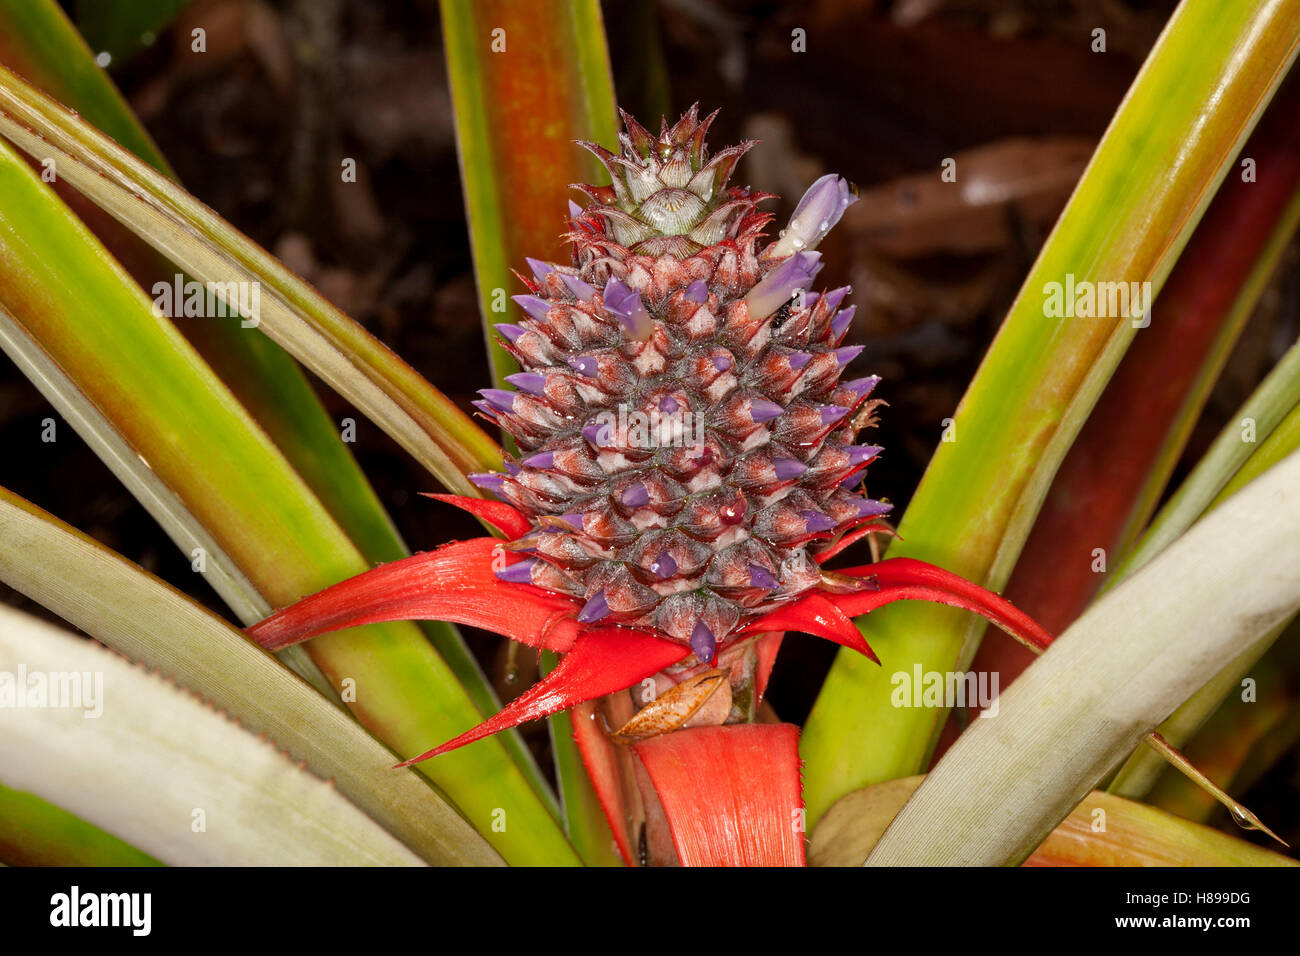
(685, 460)
(687, 457)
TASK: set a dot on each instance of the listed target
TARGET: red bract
(719, 810)
(735, 813)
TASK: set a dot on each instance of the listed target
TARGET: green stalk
(584, 820)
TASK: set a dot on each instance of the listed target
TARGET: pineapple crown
(688, 443)
(667, 196)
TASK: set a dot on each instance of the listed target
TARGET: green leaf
(37, 39)
(1139, 428)
(148, 621)
(1271, 417)
(1192, 105)
(36, 833)
(295, 316)
(121, 27)
(1119, 671)
(1134, 834)
(584, 820)
(137, 372)
(39, 42)
(147, 762)
(526, 80)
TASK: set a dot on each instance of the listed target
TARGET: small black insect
(781, 314)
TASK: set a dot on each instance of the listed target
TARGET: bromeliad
(688, 460)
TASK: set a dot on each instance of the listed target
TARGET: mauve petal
(703, 643)
(817, 213)
(531, 304)
(780, 284)
(595, 609)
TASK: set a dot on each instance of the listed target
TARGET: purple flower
(499, 398)
(862, 385)
(664, 566)
(848, 353)
(836, 296)
(762, 410)
(488, 481)
(580, 289)
(636, 496)
(540, 269)
(818, 211)
(521, 572)
(697, 291)
(870, 508)
(787, 468)
(595, 608)
(703, 642)
(860, 453)
(531, 382)
(779, 286)
(625, 305)
(816, 521)
(599, 433)
(531, 304)
(840, 324)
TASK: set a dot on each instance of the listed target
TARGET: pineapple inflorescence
(686, 432)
